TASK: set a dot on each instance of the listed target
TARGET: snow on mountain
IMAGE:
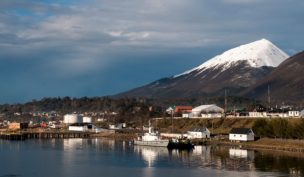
(256, 54)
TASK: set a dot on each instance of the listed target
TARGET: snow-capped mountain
(235, 70)
(256, 54)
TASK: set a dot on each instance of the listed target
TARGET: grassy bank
(267, 144)
(216, 126)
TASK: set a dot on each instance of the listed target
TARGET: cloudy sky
(76, 48)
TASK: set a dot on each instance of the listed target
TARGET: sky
(77, 48)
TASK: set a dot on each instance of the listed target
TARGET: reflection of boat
(151, 139)
(151, 154)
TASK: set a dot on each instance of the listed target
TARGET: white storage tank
(87, 119)
(72, 118)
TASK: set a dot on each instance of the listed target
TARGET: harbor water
(110, 158)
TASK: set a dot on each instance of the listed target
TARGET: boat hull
(158, 143)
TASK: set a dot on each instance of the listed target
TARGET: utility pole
(268, 97)
(172, 112)
(225, 106)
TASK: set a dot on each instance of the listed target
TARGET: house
(117, 126)
(293, 113)
(80, 127)
(199, 132)
(241, 134)
(207, 111)
(183, 109)
(17, 126)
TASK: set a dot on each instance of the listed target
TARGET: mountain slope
(286, 82)
(235, 69)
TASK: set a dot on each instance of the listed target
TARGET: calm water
(109, 158)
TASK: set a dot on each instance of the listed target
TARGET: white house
(201, 132)
(87, 119)
(207, 111)
(241, 134)
(117, 126)
(293, 113)
(80, 127)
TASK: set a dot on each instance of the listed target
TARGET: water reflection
(241, 153)
(225, 158)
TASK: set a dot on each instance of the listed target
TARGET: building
(302, 113)
(179, 109)
(80, 127)
(17, 126)
(257, 114)
(241, 134)
(199, 132)
(72, 119)
(293, 114)
(87, 119)
(207, 111)
(117, 126)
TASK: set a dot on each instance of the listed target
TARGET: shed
(198, 132)
(241, 134)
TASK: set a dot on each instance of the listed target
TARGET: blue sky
(76, 48)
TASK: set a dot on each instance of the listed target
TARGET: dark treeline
(279, 128)
(68, 104)
(127, 108)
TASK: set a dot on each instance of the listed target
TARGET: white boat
(151, 139)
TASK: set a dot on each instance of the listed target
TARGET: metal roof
(198, 129)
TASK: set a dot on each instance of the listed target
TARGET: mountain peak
(256, 54)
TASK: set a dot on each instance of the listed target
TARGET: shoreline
(283, 145)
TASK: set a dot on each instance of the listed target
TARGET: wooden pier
(43, 135)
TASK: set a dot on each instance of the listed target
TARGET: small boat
(151, 138)
(181, 144)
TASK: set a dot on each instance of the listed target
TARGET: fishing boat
(151, 138)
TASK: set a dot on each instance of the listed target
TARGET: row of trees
(279, 128)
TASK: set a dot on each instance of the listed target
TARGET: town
(108, 124)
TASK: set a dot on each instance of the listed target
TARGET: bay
(110, 158)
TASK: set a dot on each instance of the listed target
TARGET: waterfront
(104, 157)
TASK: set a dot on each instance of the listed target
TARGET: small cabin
(241, 134)
(199, 132)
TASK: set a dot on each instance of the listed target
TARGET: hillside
(286, 82)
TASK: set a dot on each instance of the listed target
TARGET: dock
(23, 135)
